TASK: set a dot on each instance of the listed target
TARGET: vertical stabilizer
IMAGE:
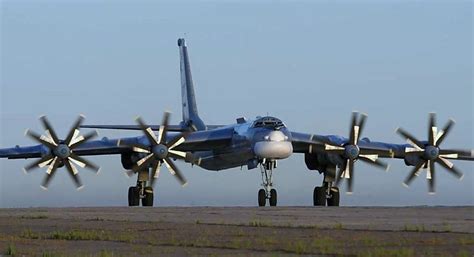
(190, 113)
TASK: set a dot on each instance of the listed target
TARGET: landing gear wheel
(319, 196)
(262, 198)
(273, 197)
(133, 196)
(334, 199)
(148, 199)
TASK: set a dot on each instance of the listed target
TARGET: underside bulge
(317, 162)
(129, 160)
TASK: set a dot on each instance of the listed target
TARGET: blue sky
(309, 63)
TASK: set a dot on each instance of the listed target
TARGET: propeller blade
(409, 137)
(40, 139)
(155, 172)
(74, 174)
(83, 163)
(47, 126)
(175, 171)
(445, 132)
(39, 163)
(379, 152)
(50, 173)
(148, 132)
(143, 163)
(177, 140)
(176, 154)
(432, 129)
(341, 172)
(74, 128)
(413, 173)
(77, 141)
(335, 149)
(375, 162)
(450, 167)
(431, 176)
(352, 135)
(164, 128)
(138, 148)
(363, 118)
(350, 177)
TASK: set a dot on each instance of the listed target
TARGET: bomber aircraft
(258, 143)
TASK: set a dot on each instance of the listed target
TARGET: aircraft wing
(309, 143)
(195, 141)
(172, 128)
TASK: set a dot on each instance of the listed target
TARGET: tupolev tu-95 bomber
(258, 143)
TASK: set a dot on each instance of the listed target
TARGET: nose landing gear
(266, 169)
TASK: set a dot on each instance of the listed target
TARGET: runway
(238, 231)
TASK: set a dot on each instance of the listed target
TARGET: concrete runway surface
(238, 231)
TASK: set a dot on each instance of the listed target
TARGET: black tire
(334, 200)
(148, 199)
(319, 196)
(273, 197)
(133, 196)
(262, 198)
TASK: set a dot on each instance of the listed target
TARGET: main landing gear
(327, 192)
(266, 168)
(142, 191)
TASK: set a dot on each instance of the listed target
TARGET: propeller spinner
(61, 152)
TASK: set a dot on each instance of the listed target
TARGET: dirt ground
(238, 231)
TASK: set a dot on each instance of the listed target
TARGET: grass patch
(49, 254)
(11, 250)
(376, 252)
(34, 217)
(466, 240)
(338, 226)
(414, 228)
(74, 235)
(96, 219)
(259, 223)
(105, 253)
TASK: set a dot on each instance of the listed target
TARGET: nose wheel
(268, 192)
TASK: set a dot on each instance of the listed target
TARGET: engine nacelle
(412, 160)
(128, 160)
(313, 161)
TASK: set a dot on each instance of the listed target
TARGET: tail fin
(191, 117)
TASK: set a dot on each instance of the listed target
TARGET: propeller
(61, 152)
(430, 153)
(159, 151)
(352, 151)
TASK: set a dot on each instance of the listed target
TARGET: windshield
(268, 122)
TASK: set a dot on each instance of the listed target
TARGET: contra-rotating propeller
(61, 151)
(430, 153)
(159, 151)
(352, 151)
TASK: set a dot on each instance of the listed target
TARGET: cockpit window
(268, 122)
